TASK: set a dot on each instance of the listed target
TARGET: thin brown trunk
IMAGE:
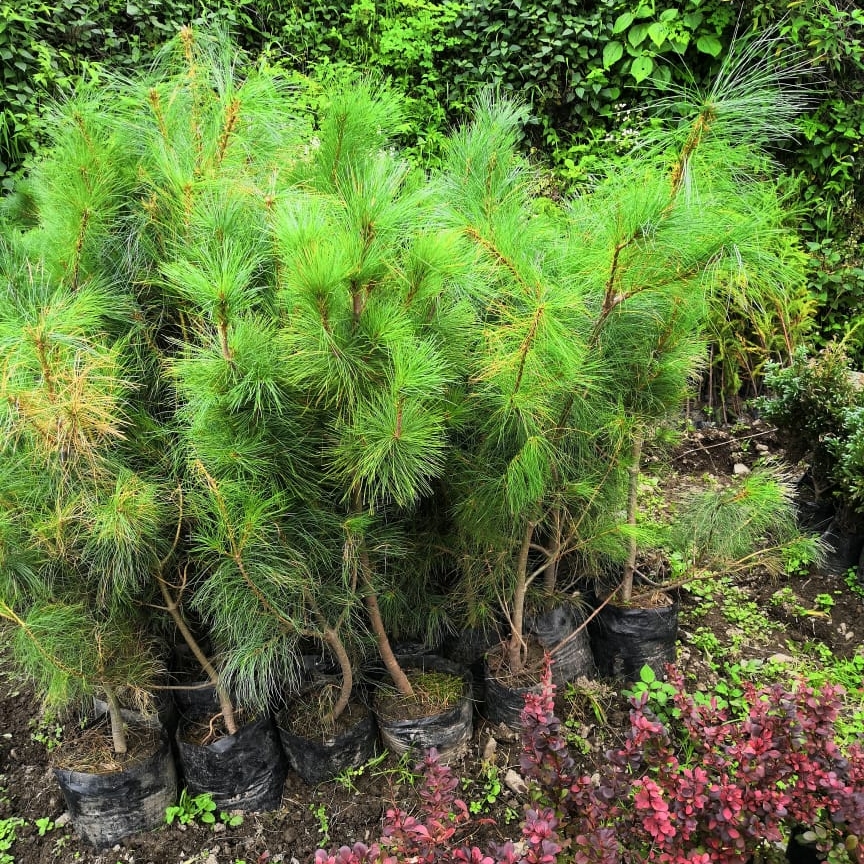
(356, 305)
(550, 574)
(331, 637)
(118, 733)
(632, 500)
(209, 670)
(516, 646)
(400, 679)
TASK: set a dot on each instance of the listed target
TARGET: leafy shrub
(710, 788)
(814, 401)
(431, 836)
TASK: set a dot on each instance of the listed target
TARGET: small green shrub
(812, 401)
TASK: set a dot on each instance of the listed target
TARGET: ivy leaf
(709, 45)
(637, 34)
(658, 32)
(612, 53)
(641, 68)
(622, 22)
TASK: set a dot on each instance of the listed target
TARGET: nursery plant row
(266, 387)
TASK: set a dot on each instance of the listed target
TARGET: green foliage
(200, 808)
(482, 792)
(8, 832)
(347, 776)
(189, 808)
(44, 825)
(817, 404)
(853, 583)
(749, 523)
(659, 692)
(48, 732)
(319, 811)
(823, 602)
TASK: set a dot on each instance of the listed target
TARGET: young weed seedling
(44, 825)
(347, 777)
(853, 583)
(487, 793)
(659, 694)
(824, 603)
(48, 733)
(201, 807)
(8, 829)
(319, 811)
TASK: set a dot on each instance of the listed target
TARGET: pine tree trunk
(632, 500)
(385, 651)
(225, 704)
(331, 637)
(550, 574)
(118, 733)
(400, 679)
(516, 648)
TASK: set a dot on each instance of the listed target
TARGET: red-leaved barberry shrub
(713, 790)
(713, 793)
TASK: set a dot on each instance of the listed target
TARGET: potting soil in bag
(244, 771)
(504, 704)
(107, 807)
(318, 761)
(449, 731)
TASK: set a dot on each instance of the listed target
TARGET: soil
(434, 693)
(752, 620)
(90, 749)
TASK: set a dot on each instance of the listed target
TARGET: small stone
(218, 827)
(490, 749)
(739, 469)
(781, 658)
(62, 820)
(504, 733)
(762, 448)
(515, 783)
(849, 636)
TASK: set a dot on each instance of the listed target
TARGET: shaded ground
(797, 625)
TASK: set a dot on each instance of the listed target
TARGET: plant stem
(517, 619)
(632, 500)
(550, 575)
(373, 609)
(400, 679)
(225, 703)
(331, 637)
(118, 733)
